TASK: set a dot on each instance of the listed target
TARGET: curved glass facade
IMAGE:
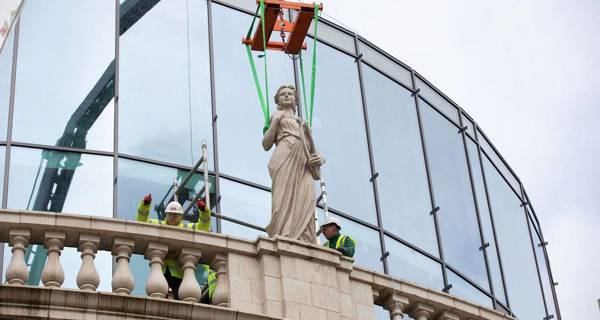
(102, 102)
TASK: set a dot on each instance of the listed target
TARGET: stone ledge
(28, 302)
(384, 285)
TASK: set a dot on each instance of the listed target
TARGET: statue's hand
(277, 116)
(315, 160)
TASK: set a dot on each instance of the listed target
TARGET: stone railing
(262, 279)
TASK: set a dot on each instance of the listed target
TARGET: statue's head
(286, 97)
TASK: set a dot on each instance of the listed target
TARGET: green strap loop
(309, 116)
(314, 66)
(263, 102)
(306, 115)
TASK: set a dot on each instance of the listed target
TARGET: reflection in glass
(55, 181)
(65, 75)
(486, 223)
(520, 273)
(408, 264)
(463, 289)
(339, 133)
(398, 153)
(6, 56)
(137, 179)
(453, 195)
(245, 203)
(368, 248)
(241, 121)
(164, 104)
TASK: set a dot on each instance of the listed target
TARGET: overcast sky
(528, 73)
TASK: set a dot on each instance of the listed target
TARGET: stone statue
(293, 167)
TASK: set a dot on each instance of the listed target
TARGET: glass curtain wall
(172, 55)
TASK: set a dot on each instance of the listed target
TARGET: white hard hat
(330, 220)
(174, 207)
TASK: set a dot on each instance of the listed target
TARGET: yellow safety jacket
(339, 243)
(203, 224)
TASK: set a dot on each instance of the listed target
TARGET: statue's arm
(269, 137)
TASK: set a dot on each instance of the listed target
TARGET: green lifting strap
(263, 102)
(309, 116)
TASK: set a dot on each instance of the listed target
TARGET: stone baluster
(445, 315)
(122, 281)
(395, 304)
(156, 285)
(53, 274)
(87, 277)
(221, 293)
(422, 311)
(190, 289)
(17, 272)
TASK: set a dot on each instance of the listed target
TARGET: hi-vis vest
(174, 269)
(340, 242)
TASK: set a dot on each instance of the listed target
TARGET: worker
(331, 230)
(174, 217)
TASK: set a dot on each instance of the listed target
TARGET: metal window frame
(371, 157)
(429, 180)
(380, 228)
(475, 202)
(491, 213)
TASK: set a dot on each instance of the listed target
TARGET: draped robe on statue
(293, 193)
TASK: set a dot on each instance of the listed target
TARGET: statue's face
(287, 97)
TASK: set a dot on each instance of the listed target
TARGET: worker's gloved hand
(201, 205)
(148, 199)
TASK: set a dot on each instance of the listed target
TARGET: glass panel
(245, 203)
(2, 158)
(340, 135)
(515, 246)
(437, 100)
(5, 77)
(56, 181)
(381, 313)
(243, 4)
(486, 223)
(65, 82)
(137, 179)
(489, 151)
(334, 36)
(398, 155)
(410, 265)
(465, 290)
(62, 182)
(368, 248)
(546, 282)
(383, 63)
(164, 105)
(453, 194)
(240, 119)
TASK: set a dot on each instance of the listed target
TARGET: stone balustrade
(263, 279)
